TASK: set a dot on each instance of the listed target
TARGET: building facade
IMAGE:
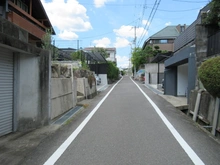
(24, 68)
(165, 37)
(28, 15)
(154, 70)
(181, 68)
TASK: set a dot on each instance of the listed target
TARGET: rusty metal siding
(6, 91)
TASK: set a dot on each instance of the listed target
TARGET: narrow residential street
(128, 125)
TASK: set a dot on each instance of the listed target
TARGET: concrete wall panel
(62, 98)
(28, 92)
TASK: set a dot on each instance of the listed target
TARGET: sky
(115, 23)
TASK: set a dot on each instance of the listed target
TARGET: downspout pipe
(198, 99)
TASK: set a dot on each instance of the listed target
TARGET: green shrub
(209, 74)
(112, 71)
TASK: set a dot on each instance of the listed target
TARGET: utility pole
(134, 49)
(135, 38)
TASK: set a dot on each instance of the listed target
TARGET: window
(160, 42)
(22, 5)
(182, 28)
(163, 41)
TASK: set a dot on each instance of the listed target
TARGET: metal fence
(213, 44)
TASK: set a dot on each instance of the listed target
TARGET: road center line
(189, 151)
(56, 155)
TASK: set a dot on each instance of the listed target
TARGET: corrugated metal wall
(6, 91)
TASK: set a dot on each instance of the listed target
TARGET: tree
(140, 56)
(112, 71)
(76, 56)
(213, 16)
(100, 50)
(209, 74)
(46, 43)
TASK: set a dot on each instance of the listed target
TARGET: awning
(179, 58)
(96, 56)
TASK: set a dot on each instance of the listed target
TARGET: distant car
(98, 80)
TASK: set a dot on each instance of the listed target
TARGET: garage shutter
(6, 91)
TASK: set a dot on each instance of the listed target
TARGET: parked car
(98, 80)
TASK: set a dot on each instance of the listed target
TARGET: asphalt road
(126, 125)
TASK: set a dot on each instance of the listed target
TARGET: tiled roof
(167, 32)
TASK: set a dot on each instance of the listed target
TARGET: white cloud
(121, 42)
(67, 15)
(129, 31)
(145, 22)
(67, 35)
(104, 42)
(122, 61)
(101, 3)
(125, 31)
(168, 23)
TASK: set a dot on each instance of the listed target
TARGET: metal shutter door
(6, 91)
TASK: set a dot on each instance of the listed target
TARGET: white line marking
(189, 151)
(56, 155)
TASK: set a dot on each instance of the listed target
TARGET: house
(154, 70)
(112, 54)
(165, 37)
(180, 69)
(110, 51)
(98, 63)
(64, 54)
(191, 48)
(24, 68)
(28, 15)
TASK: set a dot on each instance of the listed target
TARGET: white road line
(189, 151)
(56, 155)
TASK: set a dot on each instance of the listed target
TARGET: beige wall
(168, 47)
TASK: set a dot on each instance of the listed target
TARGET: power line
(150, 19)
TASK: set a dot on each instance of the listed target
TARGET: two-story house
(24, 67)
(164, 39)
(28, 15)
(180, 69)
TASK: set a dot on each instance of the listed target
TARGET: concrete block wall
(84, 88)
(151, 73)
(63, 97)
